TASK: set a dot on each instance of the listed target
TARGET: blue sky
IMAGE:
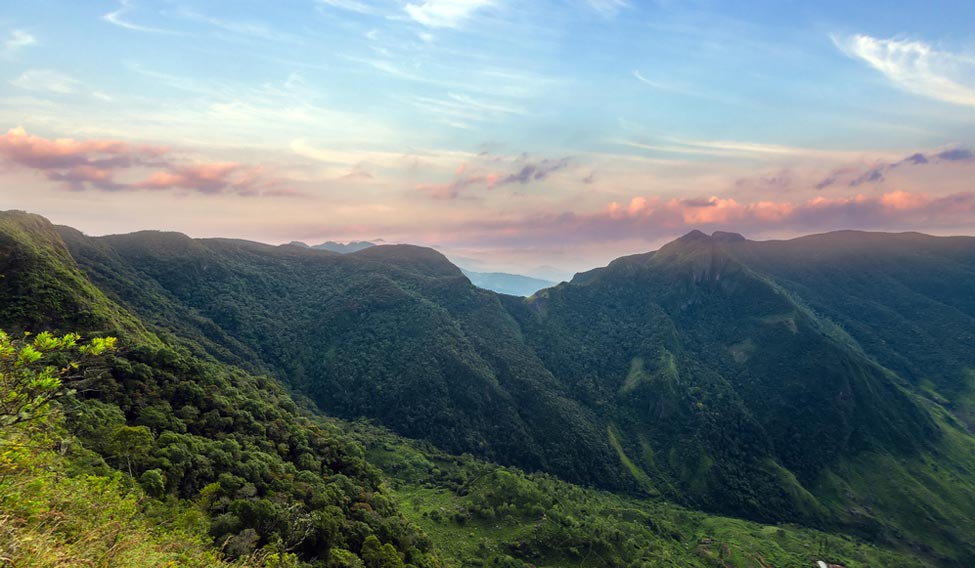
(520, 133)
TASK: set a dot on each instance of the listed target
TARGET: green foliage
(56, 509)
(28, 382)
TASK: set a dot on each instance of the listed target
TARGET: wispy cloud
(46, 80)
(522, 171)
(731, 148)
(445, 13)
(854, 176)
(681, 89)
(461, 109)
(16, 41)
(350, 5)
(117, 18)
(916, 67)
(253, 29)
(116, 165)
(608, 8)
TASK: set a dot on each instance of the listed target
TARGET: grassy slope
(483, 514)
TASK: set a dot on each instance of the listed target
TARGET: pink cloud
(96, 164)
(651, 218)
(41, 153)
(205, 178)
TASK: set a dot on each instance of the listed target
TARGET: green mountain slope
(771, 381)
(233, 446)
(726, 389)
(392, 332)
(907, 299)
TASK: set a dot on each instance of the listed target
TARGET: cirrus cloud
(916, 67)
(445, 13)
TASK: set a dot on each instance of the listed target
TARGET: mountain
(724, 384)
(823, 381)
(504, 283)
(230, 456)
(392, 332)
(344, 248)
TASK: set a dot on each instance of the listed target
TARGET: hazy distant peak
(344, 248)
(717, 236)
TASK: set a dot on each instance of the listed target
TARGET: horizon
(542, 272)
(562, 133)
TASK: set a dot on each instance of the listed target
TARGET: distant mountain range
(504, 283)
(333, 246)
(826, 381)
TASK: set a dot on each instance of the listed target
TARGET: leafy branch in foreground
(35, 371)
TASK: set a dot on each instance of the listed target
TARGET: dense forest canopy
(768, 381)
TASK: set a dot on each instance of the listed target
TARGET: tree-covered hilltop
(185, 432)
(715, 373)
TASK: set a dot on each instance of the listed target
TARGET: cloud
(870, 176)
(733, 149)
(244, 28)
(651, 218)
(445, 13)
(916, 67)
(46, 80)
(875, 174)
(534, 171)
(99, 164)
(783, 180)
(17, 40)
(117, 18)
(41, 153)
(210, 178)
(608, 8)
(350, 5)
(956, 155)
(461, 109)
(466, 176)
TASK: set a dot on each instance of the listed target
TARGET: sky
(540, 137)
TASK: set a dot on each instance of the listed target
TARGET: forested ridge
(772, 381)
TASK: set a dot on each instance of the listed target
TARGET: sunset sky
(508, 134)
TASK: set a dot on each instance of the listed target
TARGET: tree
(378, 555)
(28, 380)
